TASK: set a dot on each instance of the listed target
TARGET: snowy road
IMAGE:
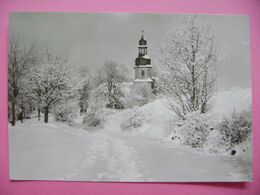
(56, 151)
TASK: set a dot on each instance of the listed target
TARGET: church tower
(143, 67)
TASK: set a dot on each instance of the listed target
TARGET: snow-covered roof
(143, 66)
(143, 80)
(146, 57)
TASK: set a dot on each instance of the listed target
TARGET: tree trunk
(82, 109)
(203, 108)
(109, 88)
(193, 97)
(9, 115)
(13, 114)
(21, 115)
(39, 114)
(46, 113)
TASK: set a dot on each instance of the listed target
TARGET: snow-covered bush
(214, 143)
(93, 119)
(135, 120)
(236, 129)
(244, 149)
(64, 112)
(195, 129)
(115, 98)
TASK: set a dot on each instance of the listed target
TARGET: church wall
(149, 72)
(138, 73)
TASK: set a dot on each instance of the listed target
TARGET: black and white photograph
(129, 97)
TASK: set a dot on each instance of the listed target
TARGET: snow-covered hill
(158, 117)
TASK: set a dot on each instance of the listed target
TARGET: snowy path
(56, 151)
(110, 158)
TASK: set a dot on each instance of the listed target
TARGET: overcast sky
(93, 38)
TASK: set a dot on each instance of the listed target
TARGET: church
(143, 67)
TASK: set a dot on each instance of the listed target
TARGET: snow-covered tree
(84, 96)
(20, 59)
(85, 86)
(111, 75)
(50, 83)
(189, 54)
(134, 120)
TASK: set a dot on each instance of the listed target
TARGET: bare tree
(19, 61)
(189, 54)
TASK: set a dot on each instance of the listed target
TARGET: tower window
(143, 73)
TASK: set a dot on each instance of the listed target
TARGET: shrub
(117, 104)
(236, 129)
(114, 100)
(93, 119)
(64, 112)
(135, 120)
(195, 129)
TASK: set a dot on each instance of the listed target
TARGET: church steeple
(143, 63)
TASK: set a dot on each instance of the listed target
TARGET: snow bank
(157, 116)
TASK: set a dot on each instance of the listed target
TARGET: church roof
(142, 41)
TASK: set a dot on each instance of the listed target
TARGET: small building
(143, 67)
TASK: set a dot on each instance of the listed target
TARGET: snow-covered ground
(56, 151)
